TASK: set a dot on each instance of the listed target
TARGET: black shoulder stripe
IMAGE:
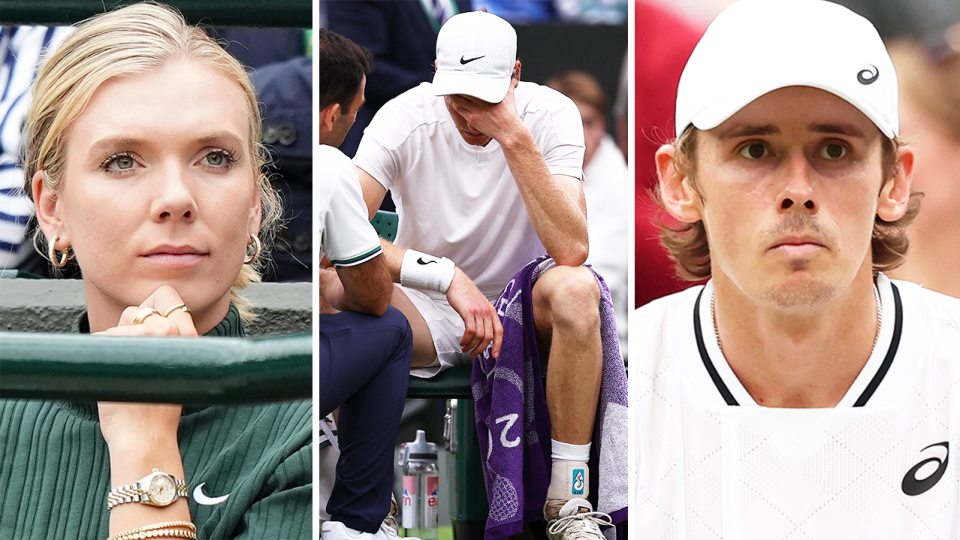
(891, 352)
(707, 363)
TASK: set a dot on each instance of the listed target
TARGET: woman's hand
(143, 436)
(123, 422)
(177, 323)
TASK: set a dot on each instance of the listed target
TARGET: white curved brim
(721, 110)
(489, 89)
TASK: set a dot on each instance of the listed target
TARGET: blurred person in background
(21, 48)
(930, 113)
(924, 42)
(546, 11)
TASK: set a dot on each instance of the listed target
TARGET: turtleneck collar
(230, 326)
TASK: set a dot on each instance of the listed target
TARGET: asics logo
(199, 496)
(867, 76)
(465, 62)
(911, 485)
(577, 482)
(423, 262)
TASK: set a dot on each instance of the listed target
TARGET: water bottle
(421, 500)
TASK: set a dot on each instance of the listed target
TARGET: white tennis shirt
(346, 235)
(711, 463)
(458, 200)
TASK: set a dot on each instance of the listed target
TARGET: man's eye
(753, 151)
(833, 151)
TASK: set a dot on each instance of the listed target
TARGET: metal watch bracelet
(155, 489)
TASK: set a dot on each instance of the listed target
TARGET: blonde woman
(143, 160)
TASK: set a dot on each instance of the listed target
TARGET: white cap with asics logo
(756, 46)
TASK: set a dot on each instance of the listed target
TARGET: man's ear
(894, 196)
(679, 197)
(328, 118)
(48, 210)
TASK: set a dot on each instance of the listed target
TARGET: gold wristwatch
(155, 489)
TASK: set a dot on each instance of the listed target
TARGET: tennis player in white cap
(486, 172)
(799, 393)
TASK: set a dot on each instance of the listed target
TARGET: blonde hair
(688, 245)
(130, 41)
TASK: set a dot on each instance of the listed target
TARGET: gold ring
(143, 314)
(181, 305)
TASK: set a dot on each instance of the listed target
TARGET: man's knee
(404, 338)
(570, 293)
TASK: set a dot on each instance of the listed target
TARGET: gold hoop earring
(52, 253)
(256, 249)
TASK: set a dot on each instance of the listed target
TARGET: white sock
(561, 451)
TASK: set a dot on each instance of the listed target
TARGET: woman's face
(159, 189)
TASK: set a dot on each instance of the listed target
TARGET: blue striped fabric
(21, 50)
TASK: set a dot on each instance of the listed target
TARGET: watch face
(161, 489)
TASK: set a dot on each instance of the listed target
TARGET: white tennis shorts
(446, 329)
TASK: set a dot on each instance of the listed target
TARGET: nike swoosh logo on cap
(204, 500)
(465, 62)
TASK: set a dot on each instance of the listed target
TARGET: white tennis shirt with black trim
(461, 201)
(711, 463)
(346, 236)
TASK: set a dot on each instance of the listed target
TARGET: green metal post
(470, 514)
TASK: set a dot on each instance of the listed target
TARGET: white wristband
(426, 272)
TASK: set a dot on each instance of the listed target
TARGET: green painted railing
(152, 369)
(254, 13)
(217, 370)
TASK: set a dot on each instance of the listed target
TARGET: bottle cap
(418, 449)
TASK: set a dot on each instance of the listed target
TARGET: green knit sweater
(55, 467)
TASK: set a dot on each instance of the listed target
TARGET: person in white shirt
(486, 173)
(799, 393)
(365, 348)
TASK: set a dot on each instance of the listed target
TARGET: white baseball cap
(476, 54)
(756, 46)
